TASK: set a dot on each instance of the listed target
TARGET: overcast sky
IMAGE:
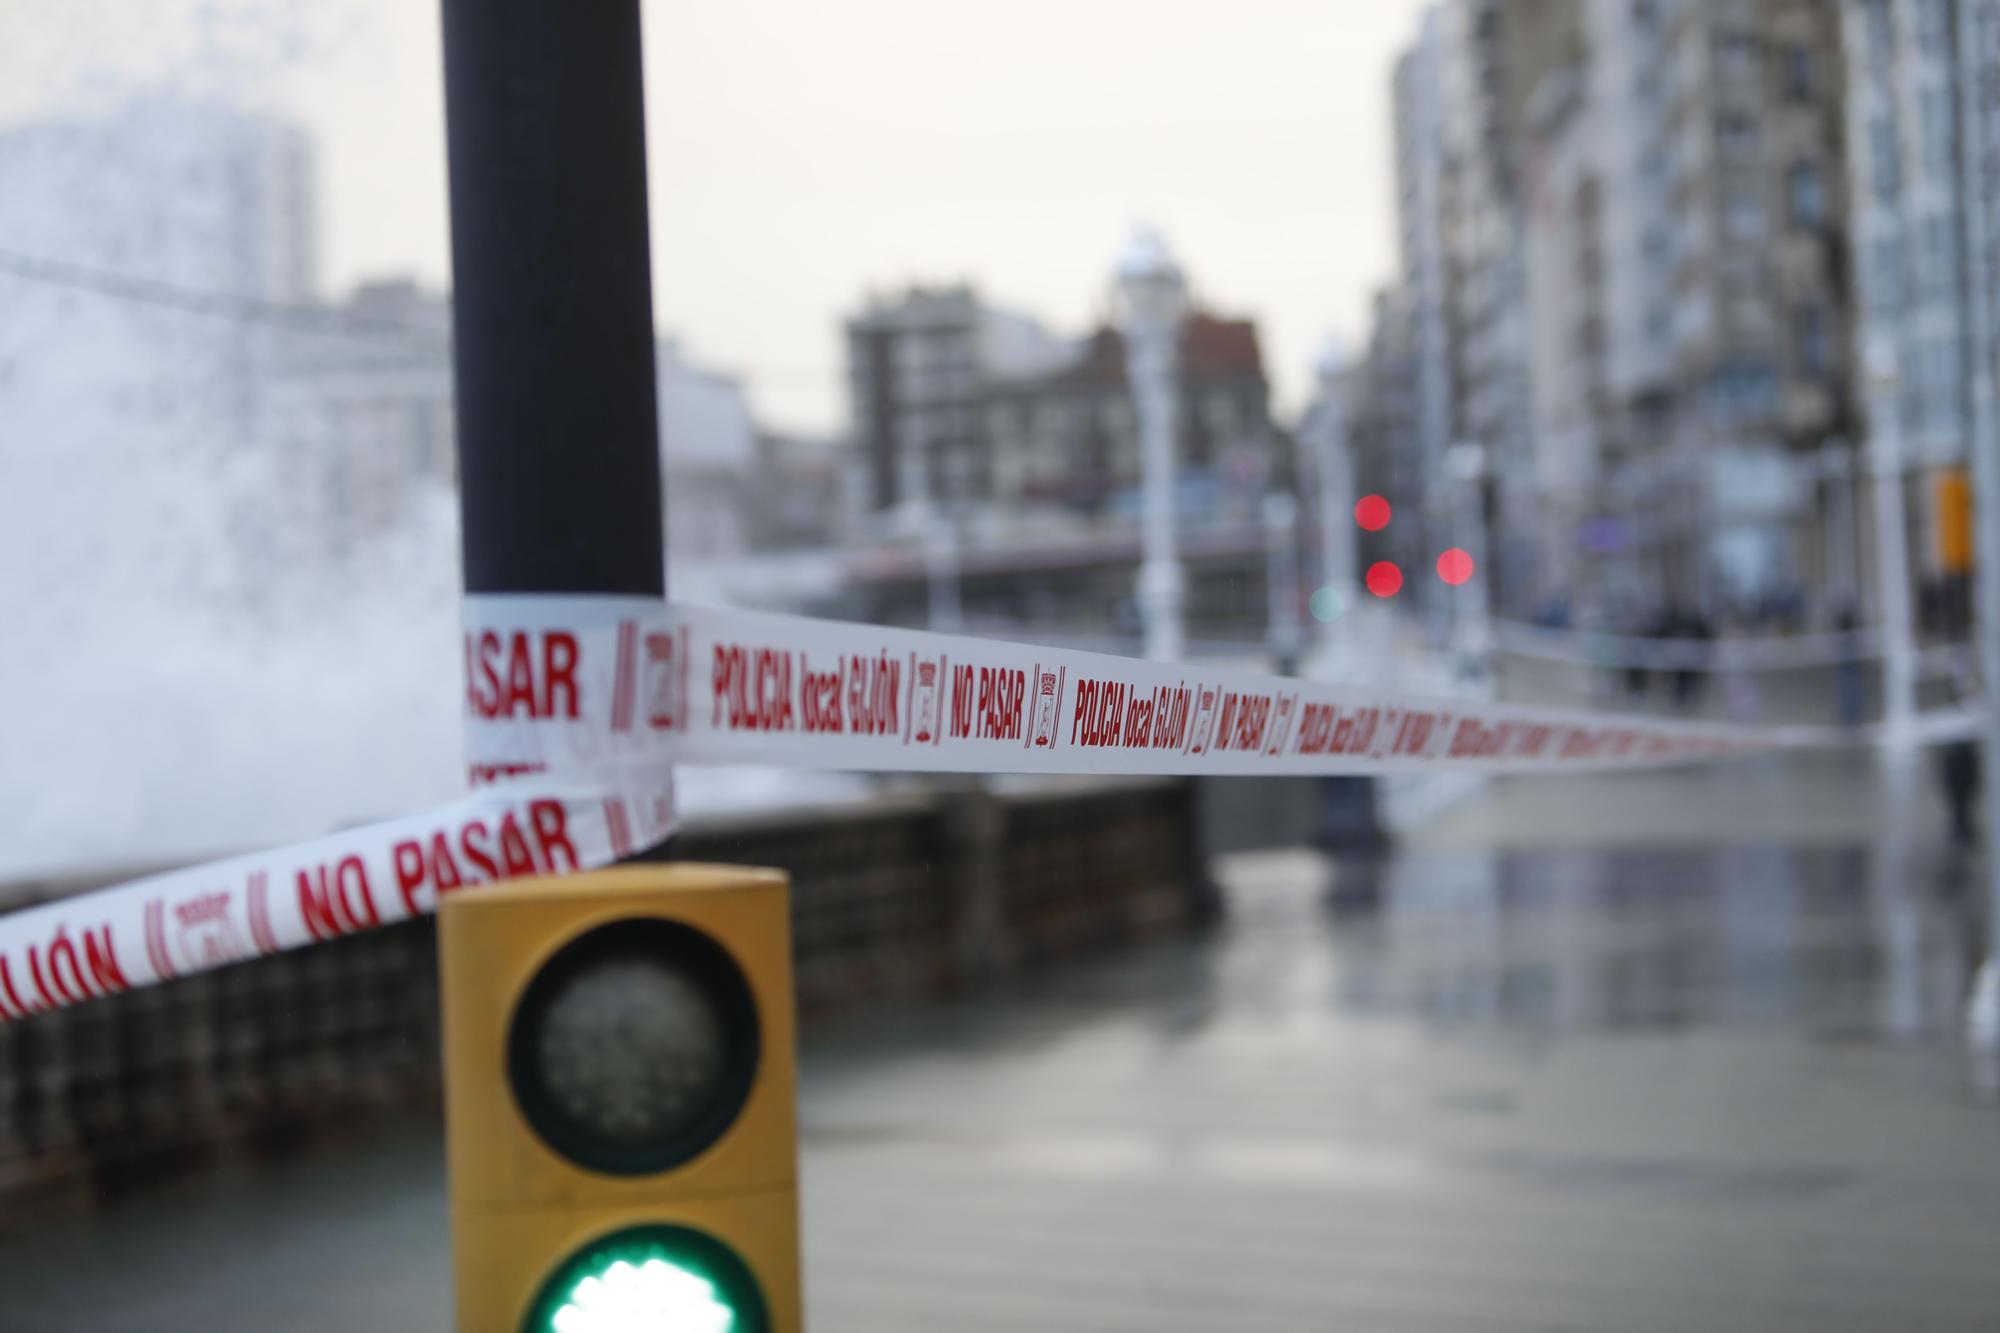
(804, 152)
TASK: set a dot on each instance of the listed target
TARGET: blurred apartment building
(1923, 129)
(1642, 242)
(161, 282)
(981, 413)
(1761, 336)
(1494, 57)
(801, 489)
(733, 488)
(919, 366)
(113, 218)
(361, 416)
(1692, 349)
(1411, 362)
(359, 413)
(1449, 359)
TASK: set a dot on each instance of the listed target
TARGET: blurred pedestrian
(1958, 769)
(1694, 633)
(1958, 762)
(1644, 641)
(1635, 671)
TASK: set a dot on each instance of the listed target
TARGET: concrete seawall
(900, 897)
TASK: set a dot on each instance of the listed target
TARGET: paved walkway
(1570, 1093)
(1518, 1078)
(1832, 797)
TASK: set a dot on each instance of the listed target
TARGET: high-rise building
(1646, 310)
(1618, 112)
(1688, 298)
(1463, 98)
(1760, 333)
(1569, 231)
(1923, 128)
(1419, 102)
(1498, 52)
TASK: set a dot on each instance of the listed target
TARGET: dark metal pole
(559, 472)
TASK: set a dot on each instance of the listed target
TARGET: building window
(1801, 75)
(1882, 158)
(1807, 191)
(1692, 318)
(1881, 33)
(1940, 240)
(1736, 55)
(1945, 376)
(1743, 391)
(1913, 404)
(1737, 134)
(1934, 28)
(1885, 276)
(1743, 216)
(1937, 134)
(1815, 346)
(1755, 320)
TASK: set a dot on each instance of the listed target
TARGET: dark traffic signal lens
(634, 1048)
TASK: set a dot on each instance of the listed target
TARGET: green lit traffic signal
(651, 1279)
(619, 1099)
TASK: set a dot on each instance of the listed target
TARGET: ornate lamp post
(1472, 606)
(1327, 433)
(1892, 543)
(1153, 297)
(1281, 580)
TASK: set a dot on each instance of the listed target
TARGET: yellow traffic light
(1951, 492)
(619, 1103)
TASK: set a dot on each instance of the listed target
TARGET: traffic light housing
(620, 1102)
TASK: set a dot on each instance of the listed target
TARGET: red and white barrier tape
(784, 691)
(579, 708)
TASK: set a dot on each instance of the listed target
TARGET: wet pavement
(1584, 1056)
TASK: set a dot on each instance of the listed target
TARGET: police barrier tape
(578, 709)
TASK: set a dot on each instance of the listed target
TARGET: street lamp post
(1335, 466)
(928, 528)
(1892, 544)
(1154, 297)
(1281, 569)
(941, 569)
(916, 525)
(1472, 628)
